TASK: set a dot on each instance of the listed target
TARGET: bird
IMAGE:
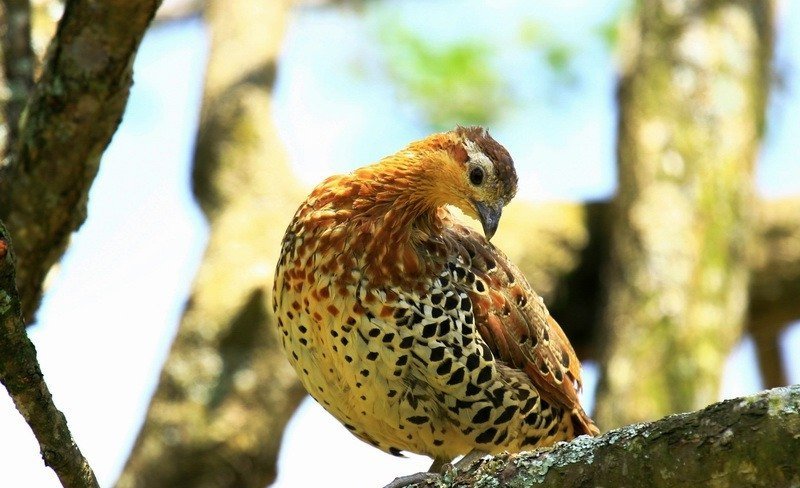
(410, 327)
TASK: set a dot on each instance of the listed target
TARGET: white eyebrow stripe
(475, 154)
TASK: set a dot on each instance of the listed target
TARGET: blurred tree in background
(692, 99)
(657, 285)
(692, 104)
(457, 83)
(226, 390)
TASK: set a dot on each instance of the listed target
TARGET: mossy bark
(227, 390)
(745, 442)
(691, 113)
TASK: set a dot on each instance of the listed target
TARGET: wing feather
(513, 320)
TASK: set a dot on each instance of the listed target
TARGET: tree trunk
(226, 390)
(691, 113)
(746, 442)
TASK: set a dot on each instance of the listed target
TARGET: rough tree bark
(745, 442)
(68, 121)
(691, 113)
(226, 390)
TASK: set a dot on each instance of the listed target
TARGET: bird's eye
(476, 176)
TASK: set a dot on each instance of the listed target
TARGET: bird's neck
(399, 192)
(399, 213)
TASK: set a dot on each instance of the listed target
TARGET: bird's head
(476, 174)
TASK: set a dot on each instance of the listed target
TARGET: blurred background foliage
(458, 81)
(447, 83)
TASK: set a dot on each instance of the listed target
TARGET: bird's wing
(513, 320)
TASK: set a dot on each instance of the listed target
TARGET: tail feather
(583, 424)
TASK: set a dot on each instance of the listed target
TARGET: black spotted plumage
(412, 329)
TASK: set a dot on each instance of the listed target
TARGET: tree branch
(52, 151)
(750, 441)
(22, 377)
(66, 125)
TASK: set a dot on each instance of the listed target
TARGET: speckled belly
(401, 375)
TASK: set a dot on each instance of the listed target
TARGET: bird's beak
(490, 217)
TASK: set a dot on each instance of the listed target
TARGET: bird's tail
(583, 424)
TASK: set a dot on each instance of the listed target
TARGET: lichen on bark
(744, 442)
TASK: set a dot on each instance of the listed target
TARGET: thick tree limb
(750, 441)
(51, 152)
(67, 123)
(22, 377)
